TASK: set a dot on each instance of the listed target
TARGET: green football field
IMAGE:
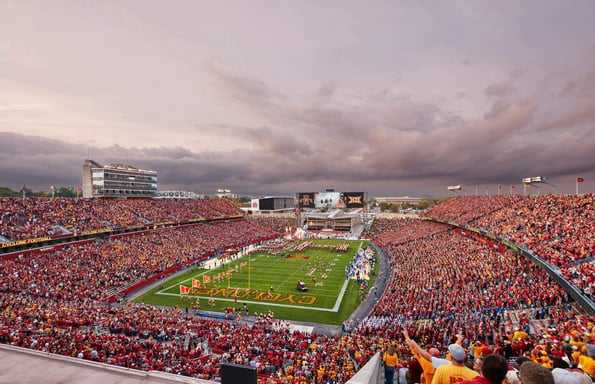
(268, 282)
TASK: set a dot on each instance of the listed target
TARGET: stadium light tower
(579, 180)
(454, 188)
(532, 182)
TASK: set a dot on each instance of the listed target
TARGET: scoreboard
(331, 199)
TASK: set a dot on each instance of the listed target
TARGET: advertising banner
(24, 242)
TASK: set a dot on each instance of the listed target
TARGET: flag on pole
(206, 279)
(578, 181)
(184, 290)
(195, 283)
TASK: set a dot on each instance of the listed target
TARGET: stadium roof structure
(333, 214)
(20, 365)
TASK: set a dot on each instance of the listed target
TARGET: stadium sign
(353, 199)
(24, 242)
(97, 231)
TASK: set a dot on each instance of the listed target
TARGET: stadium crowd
(455, 280)
(465, 209)
(39, 217)
(276, 223)
(150, 338)
(582, 276)
(97, 269)
(444, 285)
(391, 231)
(559, 229)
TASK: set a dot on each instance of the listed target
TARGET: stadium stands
(394, 232)
(95, 269)
(37, 217)
(457, 281)
(559, 229)
(277, 224)
(443, 282)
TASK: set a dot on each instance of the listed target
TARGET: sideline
(375, 292)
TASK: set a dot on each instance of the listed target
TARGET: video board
(353, 199)
(306, 199)
(331, 199)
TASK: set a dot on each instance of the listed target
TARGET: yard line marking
(340, 297)
(200, 274)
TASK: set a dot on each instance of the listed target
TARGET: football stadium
(297, 192)
(186, 286)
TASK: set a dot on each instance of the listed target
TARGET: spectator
(456, 370)
(493, 371)
(533, 373)
(423, 357)
(390, 361)
(586, 361)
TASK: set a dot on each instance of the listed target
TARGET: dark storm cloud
(377, 140)
(326, 91)
(40, 162)
(582, 87)
(244, 89)
(266, 140)
(499, 90)
(371, 141)
(258, 99)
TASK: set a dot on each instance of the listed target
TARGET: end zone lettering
(254, 294)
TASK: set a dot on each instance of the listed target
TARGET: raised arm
(415, 348)
(460, 339)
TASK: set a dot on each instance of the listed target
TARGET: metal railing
(369, 373)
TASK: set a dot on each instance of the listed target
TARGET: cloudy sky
(391, 97)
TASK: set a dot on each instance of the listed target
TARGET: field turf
(330, 299)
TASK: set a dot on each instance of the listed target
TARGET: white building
(117, 180)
